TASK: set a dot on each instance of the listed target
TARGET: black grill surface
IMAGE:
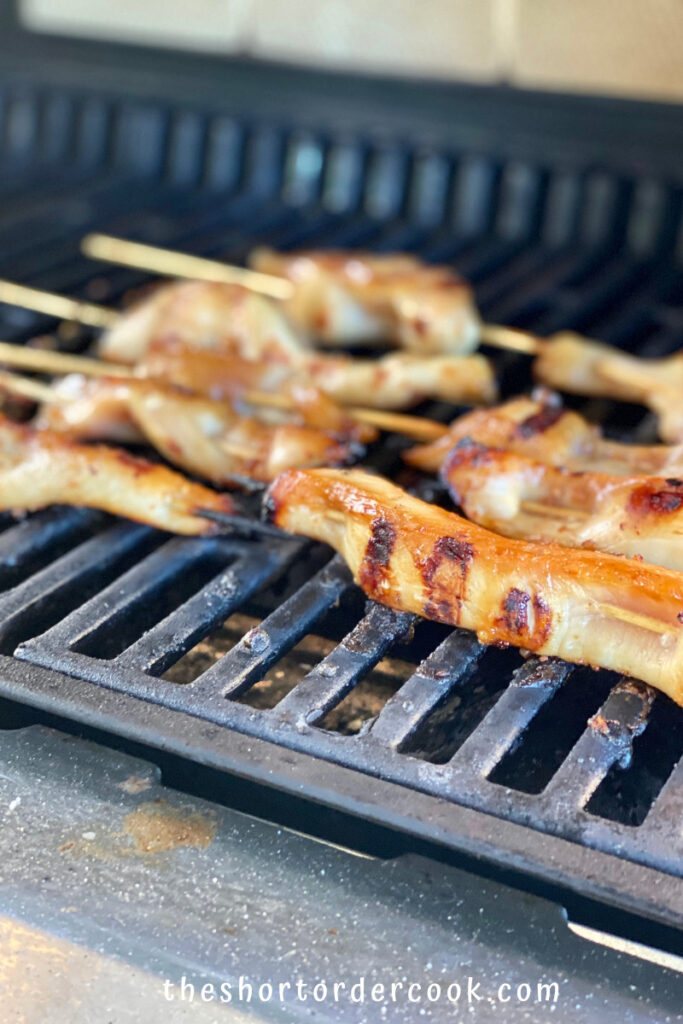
(269, 638)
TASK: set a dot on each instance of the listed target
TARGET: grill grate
(118, 605)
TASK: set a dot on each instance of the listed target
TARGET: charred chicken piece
(584, 606)
(396, 381)
(355, 297)
(40, 467)
(541, 429)
(570, 363)
(204, 437)
(517, 496)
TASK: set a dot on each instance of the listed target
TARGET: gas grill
(253, 667)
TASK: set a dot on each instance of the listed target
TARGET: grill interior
(269, 637)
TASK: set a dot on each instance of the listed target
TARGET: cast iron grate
(119, 605)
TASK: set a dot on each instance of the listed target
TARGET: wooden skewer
(559, 511)
(14, 384)
(172, 263)
(60, 306)
(418, 427)
(49, 361)
(175, 264)
(636, 619)
(511, 338)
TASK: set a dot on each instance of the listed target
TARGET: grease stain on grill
(154, 827)
(256, 640)
(210, 650)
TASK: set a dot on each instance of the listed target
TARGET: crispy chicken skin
(39, 468)
(355, 297)
(396, 381)
(204, 437)
(570, 363)
(501, 490)
(204, 314)
(541, 429)
(545, 598)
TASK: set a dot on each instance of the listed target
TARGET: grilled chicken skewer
(342, 296)
(204, 437)
(355, 298)
(235, 378)
(571, 363)
(517, 496)
(259, 331)
(205, 315)
(337, 297)
(229, 320)
(584, 606)
(396, 381)
(40, 468)
(541, 429)
(213, 322)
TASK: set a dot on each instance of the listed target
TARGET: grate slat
(666, 814)
(608, 739)
(124, 596)
(352, 658)
(531, 687)
(78, 571)
(450, 665)
(40, 532)
(162, 645)
(277, 634)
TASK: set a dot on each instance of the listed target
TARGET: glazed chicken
(396, 381)
(570, 363)
(204, 437)
(40, 467)
(206, 315)
(214, 322)
(541, 429)
(517, 496)
(584, 606)
(230, 378)
(355, 297)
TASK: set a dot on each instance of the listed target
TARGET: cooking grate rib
(120, 607)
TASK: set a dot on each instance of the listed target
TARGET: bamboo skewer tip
(171, 263)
